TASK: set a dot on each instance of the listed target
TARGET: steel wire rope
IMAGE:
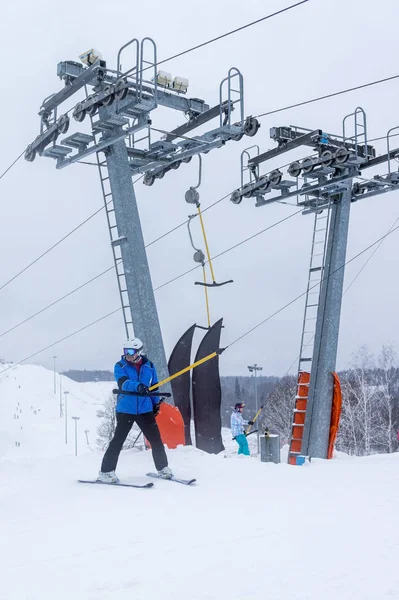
(147, 245)
(217, 38)
(12, 164)
(155, 289)
(234, 341)
(66, 236)
(97, 212)
(306, 291)
(333, 94)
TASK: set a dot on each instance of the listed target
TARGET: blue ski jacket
(128, 379)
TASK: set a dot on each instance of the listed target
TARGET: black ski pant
(124, 423)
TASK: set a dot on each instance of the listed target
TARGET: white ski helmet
(132, 347)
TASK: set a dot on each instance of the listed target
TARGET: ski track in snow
(245, 530)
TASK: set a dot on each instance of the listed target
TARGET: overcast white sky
(317, 48)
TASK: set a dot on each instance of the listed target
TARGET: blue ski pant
(242, 442)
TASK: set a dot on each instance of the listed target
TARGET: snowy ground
(328, 530)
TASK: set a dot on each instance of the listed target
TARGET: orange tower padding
(301, 400)
(335, 415)
(171, 426)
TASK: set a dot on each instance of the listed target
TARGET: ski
(175, 479)
(131, 485)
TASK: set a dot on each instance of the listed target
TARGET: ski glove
(142, 389)
(251, 422)
(156, 408)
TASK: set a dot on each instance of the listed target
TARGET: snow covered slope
(325, 531)
(30, 422)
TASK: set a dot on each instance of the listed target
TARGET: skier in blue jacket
(135, 373)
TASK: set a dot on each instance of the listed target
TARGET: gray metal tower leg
(318, 410)
(137, 273)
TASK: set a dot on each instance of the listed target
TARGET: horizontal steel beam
(380, 159)
(308, 139)
(85, 78)
(197, 121)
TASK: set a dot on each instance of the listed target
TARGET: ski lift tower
(118, 108)
(325, 184)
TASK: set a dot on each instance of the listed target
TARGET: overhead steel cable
(12, 164)
(220, 37)
(306, 291)
(332, 95)
(215, 39)
(62, 339)
(42, 310)
(234, 341)
(155, 289)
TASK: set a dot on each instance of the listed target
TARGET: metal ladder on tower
(113, 228)
(315, 278)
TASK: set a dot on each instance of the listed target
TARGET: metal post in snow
(318, 411)
(76, 419)
(66, 416)
(87, 435)
(254, 369)
(55, 383)
(144, 314)
(61, 412)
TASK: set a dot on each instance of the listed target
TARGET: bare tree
(106, 429)
(360, 401)
(370, 412)
(387, 385)
(279, 407)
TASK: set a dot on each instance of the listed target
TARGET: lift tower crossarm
(197, 121)
(308, 139)
(88, 76)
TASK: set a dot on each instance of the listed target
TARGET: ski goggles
(132, 351)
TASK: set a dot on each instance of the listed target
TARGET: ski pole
(254, 419)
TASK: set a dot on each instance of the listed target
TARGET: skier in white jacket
(238, 427)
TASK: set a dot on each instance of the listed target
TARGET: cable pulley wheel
(327, 158)
(30, 154)
(264, 185)
(52, 137)
(236, 197)
(175, 165)
(237, 137)
(248, 193)
(79, 112)
(148, 179)
(92, 109)
(109, 92)
(275, 177)
(294, 169)
(121, 89)
(63, 124)
(341, 156)
(307, 165)
(251, 126)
